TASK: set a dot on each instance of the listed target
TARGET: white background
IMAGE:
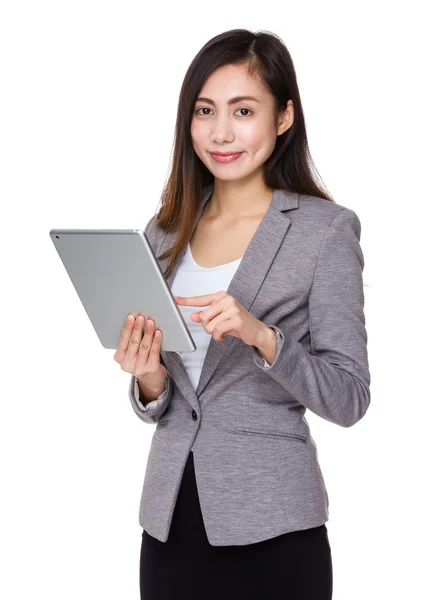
(88, 104)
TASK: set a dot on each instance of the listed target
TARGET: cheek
(261, 145)
(196, 130)
(194, 133)
(198, 139)
(259, 136)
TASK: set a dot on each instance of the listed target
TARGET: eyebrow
(234, 100)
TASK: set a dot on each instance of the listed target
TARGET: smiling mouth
(226, 158)
(226, 153)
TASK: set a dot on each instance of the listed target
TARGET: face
(247, 126)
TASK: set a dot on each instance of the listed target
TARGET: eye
(202, 108)
(205, 108)
(249, 110)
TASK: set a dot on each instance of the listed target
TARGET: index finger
(195, 300)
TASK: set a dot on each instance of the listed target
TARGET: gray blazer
(256, 463)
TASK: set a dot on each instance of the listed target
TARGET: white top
(193, 280)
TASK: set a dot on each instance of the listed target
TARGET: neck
(234, 199)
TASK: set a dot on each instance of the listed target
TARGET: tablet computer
(115, 272)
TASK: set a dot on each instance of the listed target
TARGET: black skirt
(291, 566)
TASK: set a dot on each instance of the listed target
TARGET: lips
(226, 157)
(226, 153)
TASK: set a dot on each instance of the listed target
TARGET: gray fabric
(135, 392)
(256, 463)
(153, 404)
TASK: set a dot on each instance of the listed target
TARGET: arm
(269, 348)
(333, 381)
(154, 409)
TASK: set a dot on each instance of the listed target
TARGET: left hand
(224, 316)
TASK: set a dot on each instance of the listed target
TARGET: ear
(285, 118)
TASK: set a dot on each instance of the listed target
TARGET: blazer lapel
(244, 285)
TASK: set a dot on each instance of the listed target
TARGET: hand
(139, 355)
(225, 316)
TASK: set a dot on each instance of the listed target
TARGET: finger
(125, 334)
(224, 316)
(211, 315)
(221, 327)
(155, 348)
(195, 300)
(136, 336)
(146, 342)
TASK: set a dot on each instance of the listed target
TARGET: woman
(266, 269)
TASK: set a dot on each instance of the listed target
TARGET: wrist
(267, 344)
(148, 394)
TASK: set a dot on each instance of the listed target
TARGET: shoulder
(153, 232)
(318, 215)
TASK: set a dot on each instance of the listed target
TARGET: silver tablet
(115, 272)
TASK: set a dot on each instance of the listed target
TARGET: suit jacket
(256, 463)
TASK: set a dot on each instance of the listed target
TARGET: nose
(222, 130)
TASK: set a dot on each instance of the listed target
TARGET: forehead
(233, 80)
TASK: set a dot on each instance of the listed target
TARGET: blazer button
(194, 415)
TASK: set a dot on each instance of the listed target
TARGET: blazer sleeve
(152, 412)
(333, 380)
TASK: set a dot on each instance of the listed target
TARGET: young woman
(266, 269)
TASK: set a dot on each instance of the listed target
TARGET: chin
(229, 176)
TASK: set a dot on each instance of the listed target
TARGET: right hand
(139, 354)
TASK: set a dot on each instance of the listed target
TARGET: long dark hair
(289, 167)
